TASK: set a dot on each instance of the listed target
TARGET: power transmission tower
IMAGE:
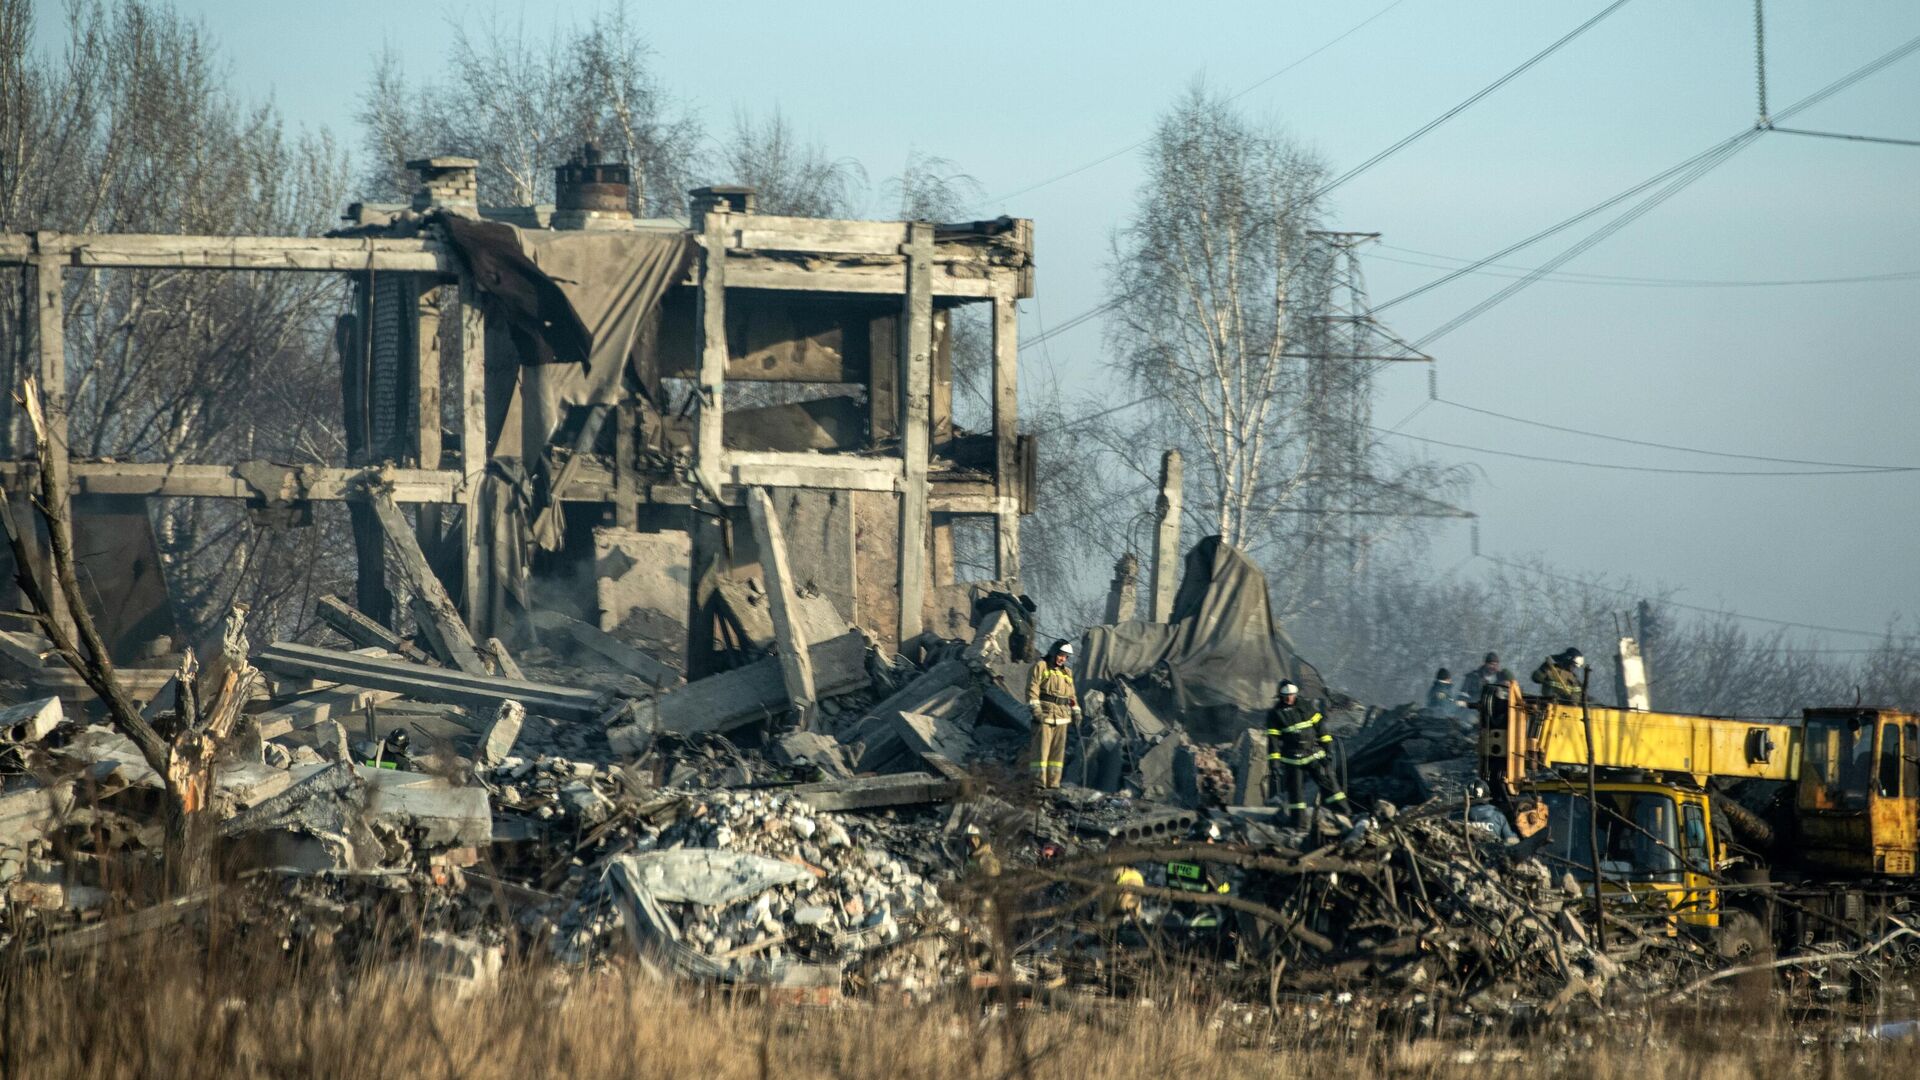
(1348, 346)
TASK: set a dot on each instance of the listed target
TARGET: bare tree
(131, 128)
(521, 105)
(788, 174)
(1204, 281)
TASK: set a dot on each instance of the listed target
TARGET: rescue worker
(1296, 741)
(1123, 903)
(1559, 676)
(1474, 686)
(980, 856)
(1198, 877)
(1440, 696)
(1051, 698)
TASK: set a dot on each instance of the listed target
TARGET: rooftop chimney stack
(719, 198)
(447, 183)
(591, 194)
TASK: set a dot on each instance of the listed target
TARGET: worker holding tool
(1054, 705)
(1297, 741)
(1559, 676)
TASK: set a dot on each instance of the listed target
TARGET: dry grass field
(246, 1009)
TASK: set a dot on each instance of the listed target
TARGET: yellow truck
(1841, 848)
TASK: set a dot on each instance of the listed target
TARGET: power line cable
(1578, 278)
(1396, 147)
(1496, 560)
(1463, 106)
(1711, 153)
(1634, 213)
(1618, 467)
(1840, 135)
(1848, 465)
(1702, 164)
(1250, 88)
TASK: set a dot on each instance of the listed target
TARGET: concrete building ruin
(547, 389)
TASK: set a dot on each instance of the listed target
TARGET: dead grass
(245, 1008)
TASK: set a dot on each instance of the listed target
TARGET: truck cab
(1660, 848)
(1858, 792)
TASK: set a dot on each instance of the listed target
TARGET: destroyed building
(818, 742)
(541, 393)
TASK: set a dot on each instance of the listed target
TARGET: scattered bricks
(502, 734)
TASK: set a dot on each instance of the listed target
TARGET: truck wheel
(1742, 938)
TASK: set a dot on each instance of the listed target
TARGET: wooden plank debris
(433, 607)
(483, 693)
(360, 629)
(509, 667)
(309, 709)
(790, 643)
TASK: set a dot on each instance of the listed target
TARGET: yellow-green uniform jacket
(1294, 735)
(1557, 683)
(1050, 693)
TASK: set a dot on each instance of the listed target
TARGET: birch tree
(522, 104)
(1208, 284)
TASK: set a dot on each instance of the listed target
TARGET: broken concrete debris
(30, 721)
(700, 830)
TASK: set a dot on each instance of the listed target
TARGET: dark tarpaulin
(1222, 646)
(575, 303)
(573, 297)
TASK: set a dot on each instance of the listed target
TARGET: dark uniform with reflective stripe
(1297, 741)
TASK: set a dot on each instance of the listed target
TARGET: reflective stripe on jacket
(1050, 693)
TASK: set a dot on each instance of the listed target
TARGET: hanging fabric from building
(572, 298)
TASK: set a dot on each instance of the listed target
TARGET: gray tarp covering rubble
(706, 876)
(1222, 647)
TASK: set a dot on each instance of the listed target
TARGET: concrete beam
(789, 638)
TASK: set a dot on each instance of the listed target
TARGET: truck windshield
(1838, 764)
(1638, 838)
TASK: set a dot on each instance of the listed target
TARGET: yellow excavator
(1838, 845)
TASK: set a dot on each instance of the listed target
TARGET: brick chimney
(591, 194)
(719, 198)
(449, 183)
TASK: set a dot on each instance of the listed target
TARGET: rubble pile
(1421, 910)
(406, 803)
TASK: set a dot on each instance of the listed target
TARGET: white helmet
(1287, 687)
(1067, 649)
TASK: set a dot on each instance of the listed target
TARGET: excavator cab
(1859, 791)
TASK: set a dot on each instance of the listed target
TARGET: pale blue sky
(1017, 93)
